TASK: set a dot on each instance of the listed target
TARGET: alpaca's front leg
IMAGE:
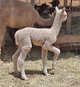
(57, 52)
(44, 60)
(2, 32)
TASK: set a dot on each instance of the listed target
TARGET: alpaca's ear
(56, 8)
(63, 9)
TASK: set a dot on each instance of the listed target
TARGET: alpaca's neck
(56, 25)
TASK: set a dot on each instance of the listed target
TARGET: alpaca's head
(62, 13)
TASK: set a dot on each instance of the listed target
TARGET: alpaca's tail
(16, 36)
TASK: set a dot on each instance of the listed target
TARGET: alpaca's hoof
(45, 73)
(53, 67)
(24, 78)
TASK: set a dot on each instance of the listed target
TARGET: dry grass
(67, 73)
(75, 27)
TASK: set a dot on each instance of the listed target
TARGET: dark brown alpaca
(55, 3)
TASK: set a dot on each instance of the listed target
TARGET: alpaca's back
(16, 36)
(37, 36)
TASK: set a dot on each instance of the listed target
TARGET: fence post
(65, 3)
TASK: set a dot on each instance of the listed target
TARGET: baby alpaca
(40, 37)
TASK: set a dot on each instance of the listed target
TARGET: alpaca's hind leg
(44, 60)
(21, 58)
(14, 59)
(26, 46)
